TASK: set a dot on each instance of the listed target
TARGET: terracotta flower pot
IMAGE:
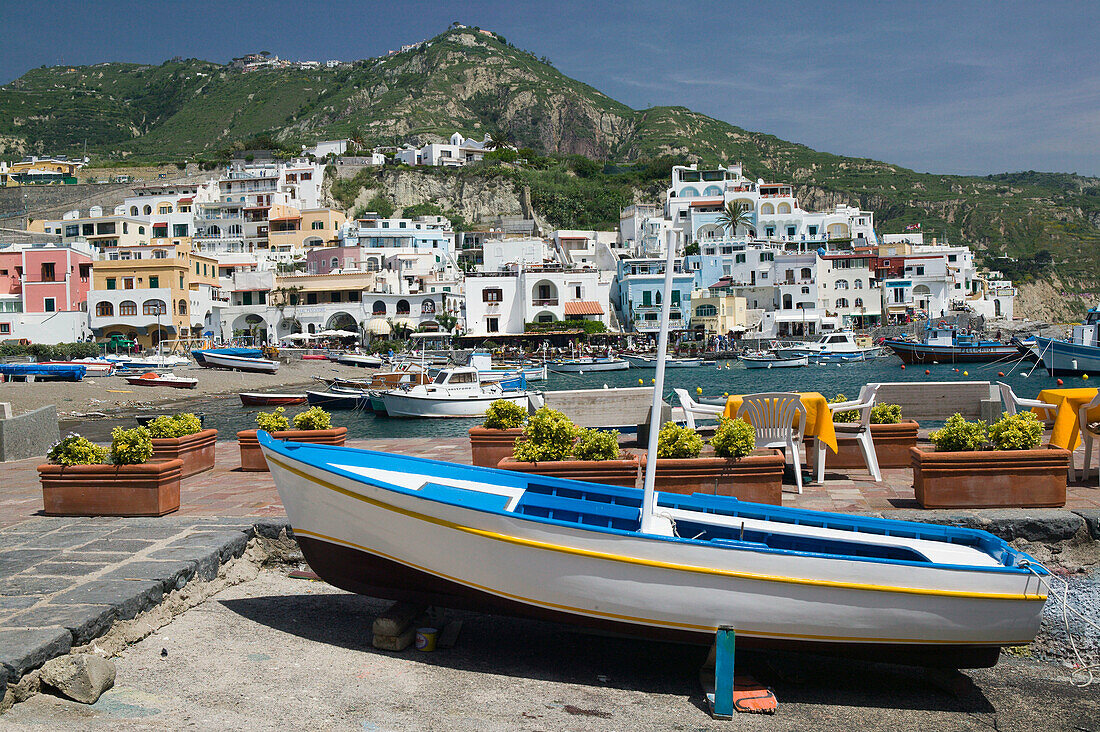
(489, 446)
(757, 477)
(149, 489)
(196, 451)
(623, 472)
(892, 443)
(252, 457)
(990, 478)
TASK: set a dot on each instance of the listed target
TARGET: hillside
(474, 81)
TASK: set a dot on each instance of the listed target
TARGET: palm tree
(734, 215)
(498, 140)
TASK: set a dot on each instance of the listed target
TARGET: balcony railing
(545, 302)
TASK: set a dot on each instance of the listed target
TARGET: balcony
(545, 302)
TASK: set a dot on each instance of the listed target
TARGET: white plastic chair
(773, 416)
(861, 430)
(1014, 404)
(692, 408)
(1089, 433)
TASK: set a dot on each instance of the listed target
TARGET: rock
(80, 677)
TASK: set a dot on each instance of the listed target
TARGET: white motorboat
(456, 392)
(360, 360)
(650, 362)
(240, 363)
(92, 366)
(152, 361)
(839, 346)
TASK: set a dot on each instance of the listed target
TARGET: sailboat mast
(650, 522)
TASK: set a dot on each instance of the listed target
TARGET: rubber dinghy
(400, 527)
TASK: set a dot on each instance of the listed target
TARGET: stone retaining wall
(28, 435)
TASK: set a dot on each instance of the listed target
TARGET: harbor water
(227, 415)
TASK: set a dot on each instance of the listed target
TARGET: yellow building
(152, 293)
(718, 311)
(291, 230)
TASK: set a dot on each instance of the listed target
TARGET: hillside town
(252, 253)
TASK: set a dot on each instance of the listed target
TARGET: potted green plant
(891, 434)
(732, 467)
(313, 425)
(1002, 465)
(84, 479)
(493, 441)
(550, 439)
(182, 436)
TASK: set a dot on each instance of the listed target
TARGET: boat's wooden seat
(591, 513)
(476, 499)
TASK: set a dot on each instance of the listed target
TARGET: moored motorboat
(1079, 355)
(832, 347)
(944, 344)
(456, 392)
(408, 528)
(169, 379)
(240, 363)
(338, 399)
(649, 362)
(260, 399)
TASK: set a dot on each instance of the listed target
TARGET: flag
(912, 227)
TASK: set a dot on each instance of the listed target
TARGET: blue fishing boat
(1079, 355)
(945, 344)
(339, 399)
(200, 354)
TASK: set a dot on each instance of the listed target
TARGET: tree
(692, 248)
(446, 321)
(734, 215)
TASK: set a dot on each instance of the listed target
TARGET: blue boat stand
(720, 701)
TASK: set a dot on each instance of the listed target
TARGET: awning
(378, 326)
(285, 218)
(583, 307)
(186, 200)
(406, 322)
(161, 225)
(707, 202)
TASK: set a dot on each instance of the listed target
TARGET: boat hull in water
(777, 362)
(1065, 357)
(915, 352)
(589, 365)
(454, 535)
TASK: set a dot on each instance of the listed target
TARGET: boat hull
(1063, 357)
(400, 404)
(368, 538)
(774, 362)
(252, 399)
(574, 367)
(911, 352)
(338, 400)
(173, 383)
(239, 363)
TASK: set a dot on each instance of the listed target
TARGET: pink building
(39, 281)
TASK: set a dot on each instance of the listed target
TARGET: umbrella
(297, 337)
(340, 333)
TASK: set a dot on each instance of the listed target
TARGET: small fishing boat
(42, 371)
(153, 361)
(92, 366)
(772, 360)
(260, 399)
(399, 527)
(152, 378)
(589, 364)
(342, 399)
(491, 374)
(360, 360)
(1079, 355)
(945, 344)
(456, 392)
(832, 347)
(650, 362)
(1027, 349)
(200, 354)
(239, 363)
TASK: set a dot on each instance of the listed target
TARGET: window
(706, 311)
(85, 272)
(842, 284)
(72, 230)
(427, 307)
(647, 298)
(842, 302)
(141, 230)
(857, 285)
(47, 272)
(160, 254)
(859, 302)
(183, 307)
(127, 307)
(246, 298)
(164, 209)
(110, 283)
(154, 281)
(492, 325)
(316, 225)
(154, 307)
(311, 298)
(403, 307)
(128, 283)
(5, 328)
(335, 296)
(379, 308)
(104, 309)
(179, 229)
(133, 210)
(334, 263)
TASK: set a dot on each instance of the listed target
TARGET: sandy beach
(110, 395)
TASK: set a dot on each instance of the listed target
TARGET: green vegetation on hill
(474, 81)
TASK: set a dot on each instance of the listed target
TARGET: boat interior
(712, 520)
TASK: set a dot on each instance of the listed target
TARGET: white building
(457, 152)
(505, 301)
(326, 147)
(501, 254)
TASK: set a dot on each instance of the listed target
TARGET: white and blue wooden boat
(239, 363)
(944, 344)
(338, 399)
(589, 364)
(200, 353)
(400, 527)
(771, 360)
(1079, 355)
(650, 362)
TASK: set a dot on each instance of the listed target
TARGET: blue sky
(944, 87)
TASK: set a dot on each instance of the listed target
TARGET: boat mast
(651, 523)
